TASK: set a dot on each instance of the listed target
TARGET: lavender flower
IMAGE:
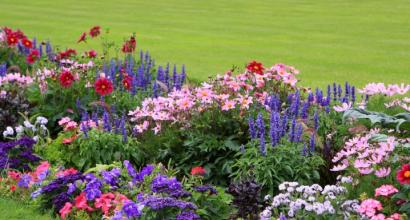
(187, 215)
(131, 171)
(305, 110)
(157, 203)
(111, 177)
(252, 129)
(261, 132)
(131, 210)
(171, 186)
(316, 121)
(24, 181)
(145, 171)
(312, 143)
(205, 188)
(353, 94)
(334, 92)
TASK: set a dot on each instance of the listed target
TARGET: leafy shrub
(286, 162)
(14, 103)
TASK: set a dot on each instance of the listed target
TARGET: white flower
(41, 120)
(19, 129)
(8, 132)
(35, 138)
(27, 124)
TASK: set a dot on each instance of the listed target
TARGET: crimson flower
(92, 54)
(12, 39)
(33, 56)
(255, 67)
(81, 202)
(67, 53)
(82, 37)
(66, 79)
(27, 43)
(129, 45)
(200, 171)
(403, 175)
(95, 31)
(127, 82)
(13, 188)
(103, 86)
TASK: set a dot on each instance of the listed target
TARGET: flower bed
(91, 136)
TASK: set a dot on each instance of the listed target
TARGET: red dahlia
(66, 79)
(95, 31)
(67, 54)
(127, 82)
(255, 67)
(403, 175)
(33, 56)
(129, 45)
(103, 86)
(27, 43)
(91, 54)
(200, 171)
(82, 37)
(12, 39)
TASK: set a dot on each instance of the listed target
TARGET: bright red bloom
(33, 56)
(13, 188)
(95, 31)
(14, 175)
(129, 45)
(82, 37)
(7, 30)
(65, 210)
(92, 54)
(103, 86)
(81, 202)
(200, 171)
(255, 67)
(127, 82)
(19, 34)
(27, 43)
(403, 175)
(12, 40)
(66, 79)
(67, 53)
(105, 202)
(66, 172)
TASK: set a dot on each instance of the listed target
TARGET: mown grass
(14, 210)
(342, 40)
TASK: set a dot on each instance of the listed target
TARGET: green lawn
(13, 210)
(359, 41)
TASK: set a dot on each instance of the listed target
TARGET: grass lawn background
(359, 41)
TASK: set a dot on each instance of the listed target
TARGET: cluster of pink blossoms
(381, 88)
(385, 190)
(369, 208)
(21, 80)
(365, 156)
(403, 103)
(227, 93)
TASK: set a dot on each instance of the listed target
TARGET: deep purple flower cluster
(111, 177)
(168, 185)
(93, 188)
(131, 210)
(145, 171)
(205, 188)
(158, 202)
(130, 169)
(187, 215)
(24, 181)
(261, 133)
(18, 154)
(3, 69)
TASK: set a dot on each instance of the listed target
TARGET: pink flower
(70, 125)
(228, 105)
(369, 207)
(385, 190)
(344, 107)
(244, 101)
(65, 210)
(141, 128)
(185, 103)
(395, 216)
(66, 172)
(64, 121)
(105, 202)
(382, 172)
(81, 202)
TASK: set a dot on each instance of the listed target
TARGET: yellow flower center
(407, 174)
(103, 86)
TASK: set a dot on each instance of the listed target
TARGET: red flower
(33, 56)
(129, 45)
(13, 188)
(95, 31)
(81, 202)
(403, 175)
(12, 40)
(66, 79)
(103, 86)
(27, 43)
(67, 54)
(82, 37)
(127, 82)
(255, 67)
(198, 171)
(91, 54)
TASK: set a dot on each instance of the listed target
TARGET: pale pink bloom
(406, 99)
(361, 164)
(64, 121)
(185, 103)
(142, 127)
(403, 89)
(369, 207)
(157, 128)
(70, 125)
(290, 79)
(228, 105)
(244, 101)
(234, 86)
(405, 107)
(365, 171)
(344, 107)
(223, 97)
(205, 95)
(382, 172)
(385, 190)
(379, 216)
(340, 167)
(102, 75)
(395, 216)
(3, 94)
